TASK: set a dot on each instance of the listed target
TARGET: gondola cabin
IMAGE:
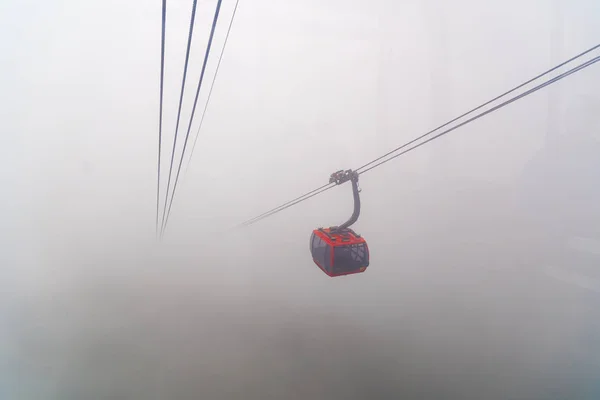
(339, 251)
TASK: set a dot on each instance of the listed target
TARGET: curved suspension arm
(353, 177)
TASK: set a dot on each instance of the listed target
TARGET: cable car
(339, 250)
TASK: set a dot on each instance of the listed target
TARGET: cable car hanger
(338, 250)
(340, 177)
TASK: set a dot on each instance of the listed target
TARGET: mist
(485, 244)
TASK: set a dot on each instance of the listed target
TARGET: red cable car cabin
(339, 250)
(339, 253)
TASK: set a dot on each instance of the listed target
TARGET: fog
(485, 244)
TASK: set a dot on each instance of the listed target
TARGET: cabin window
(349, 258)
(327, 260)
(320, 251)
